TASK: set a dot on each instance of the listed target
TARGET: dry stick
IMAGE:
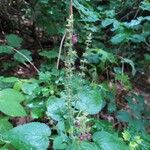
(27, 60)
(63, 38)
(71, 8)
(60, 49)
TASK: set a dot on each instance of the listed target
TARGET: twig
(60, 49)
(27, 60)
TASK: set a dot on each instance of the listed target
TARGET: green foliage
(133, 117)
(89, 101)
(6, 49)
(49, 54)
(10, 103)
(83, 146)
(56, 108)
(5, 125)
(22, 59)
(29, 136)
(107, 141)
(89, 84)
(14, 40)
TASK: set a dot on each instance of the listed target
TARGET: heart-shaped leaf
(10, 100)
(107, 141)
(33, 136)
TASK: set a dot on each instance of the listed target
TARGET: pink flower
(74, 39)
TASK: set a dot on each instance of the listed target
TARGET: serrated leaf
(6, 49)
(33, 136)
(14, 40)
(18, 57)
(10, 103)
(107, 141)
(56, 108)
(89, 101)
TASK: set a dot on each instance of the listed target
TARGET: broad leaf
(10, 103)
(14, 40)
(107, 141)
(33, 136)
(89, 101)
(59, 143)
(83, 145)
(56, 108)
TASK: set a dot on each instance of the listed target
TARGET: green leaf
(103, 125)
(124, 116)
(147, 57)
(87, 14)
(6, 49)
(36, 113)
(9, 80)
(107, 141)
(79, 145)
(18, 57)
(145, 5)
(56, 108)
(59, 143)
(44, 1)
(29, 88)
(14, 40)
(107, 22)
(137, 38)
(133, 23)
(49, 54)
(10, 103)
(33, 136)
(118, 38)
(89, 101)
(5, 125)
(124, 79)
